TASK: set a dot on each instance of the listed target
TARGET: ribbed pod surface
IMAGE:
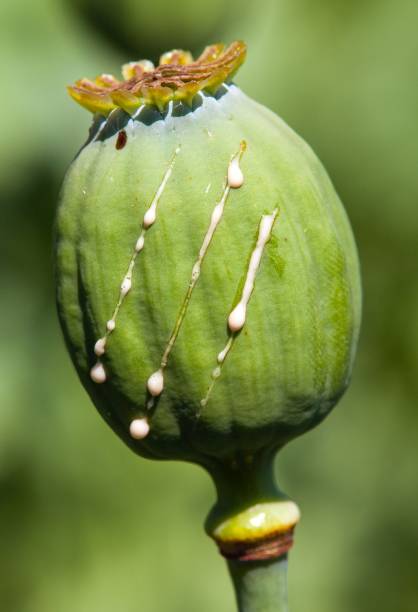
(291, 360)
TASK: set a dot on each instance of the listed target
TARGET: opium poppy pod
(207, 285)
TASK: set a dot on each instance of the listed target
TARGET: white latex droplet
(100, 347)
(221, 356)
(155, 384)
(139, 244)
(139, 429)
(236, 319)
(235, 175)
(98, 373)
(125, 286)
(150, 216)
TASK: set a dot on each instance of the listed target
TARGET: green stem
(251, 522)
(247, 481)
(260, 586)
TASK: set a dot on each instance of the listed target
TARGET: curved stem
(260, 586)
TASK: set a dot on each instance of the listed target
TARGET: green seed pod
(207, 282)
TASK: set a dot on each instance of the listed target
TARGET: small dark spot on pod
(121, 139)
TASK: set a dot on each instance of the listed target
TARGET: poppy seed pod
(207, 282)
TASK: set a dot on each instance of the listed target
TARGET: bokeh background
(84, 524)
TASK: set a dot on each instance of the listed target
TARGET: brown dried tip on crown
(177, 77)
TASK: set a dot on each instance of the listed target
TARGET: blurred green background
(84, 524)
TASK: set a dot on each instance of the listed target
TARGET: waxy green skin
(292, 360)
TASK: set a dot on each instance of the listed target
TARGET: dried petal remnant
(177, 77)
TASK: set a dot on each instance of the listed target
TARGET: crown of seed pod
(207, 281)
